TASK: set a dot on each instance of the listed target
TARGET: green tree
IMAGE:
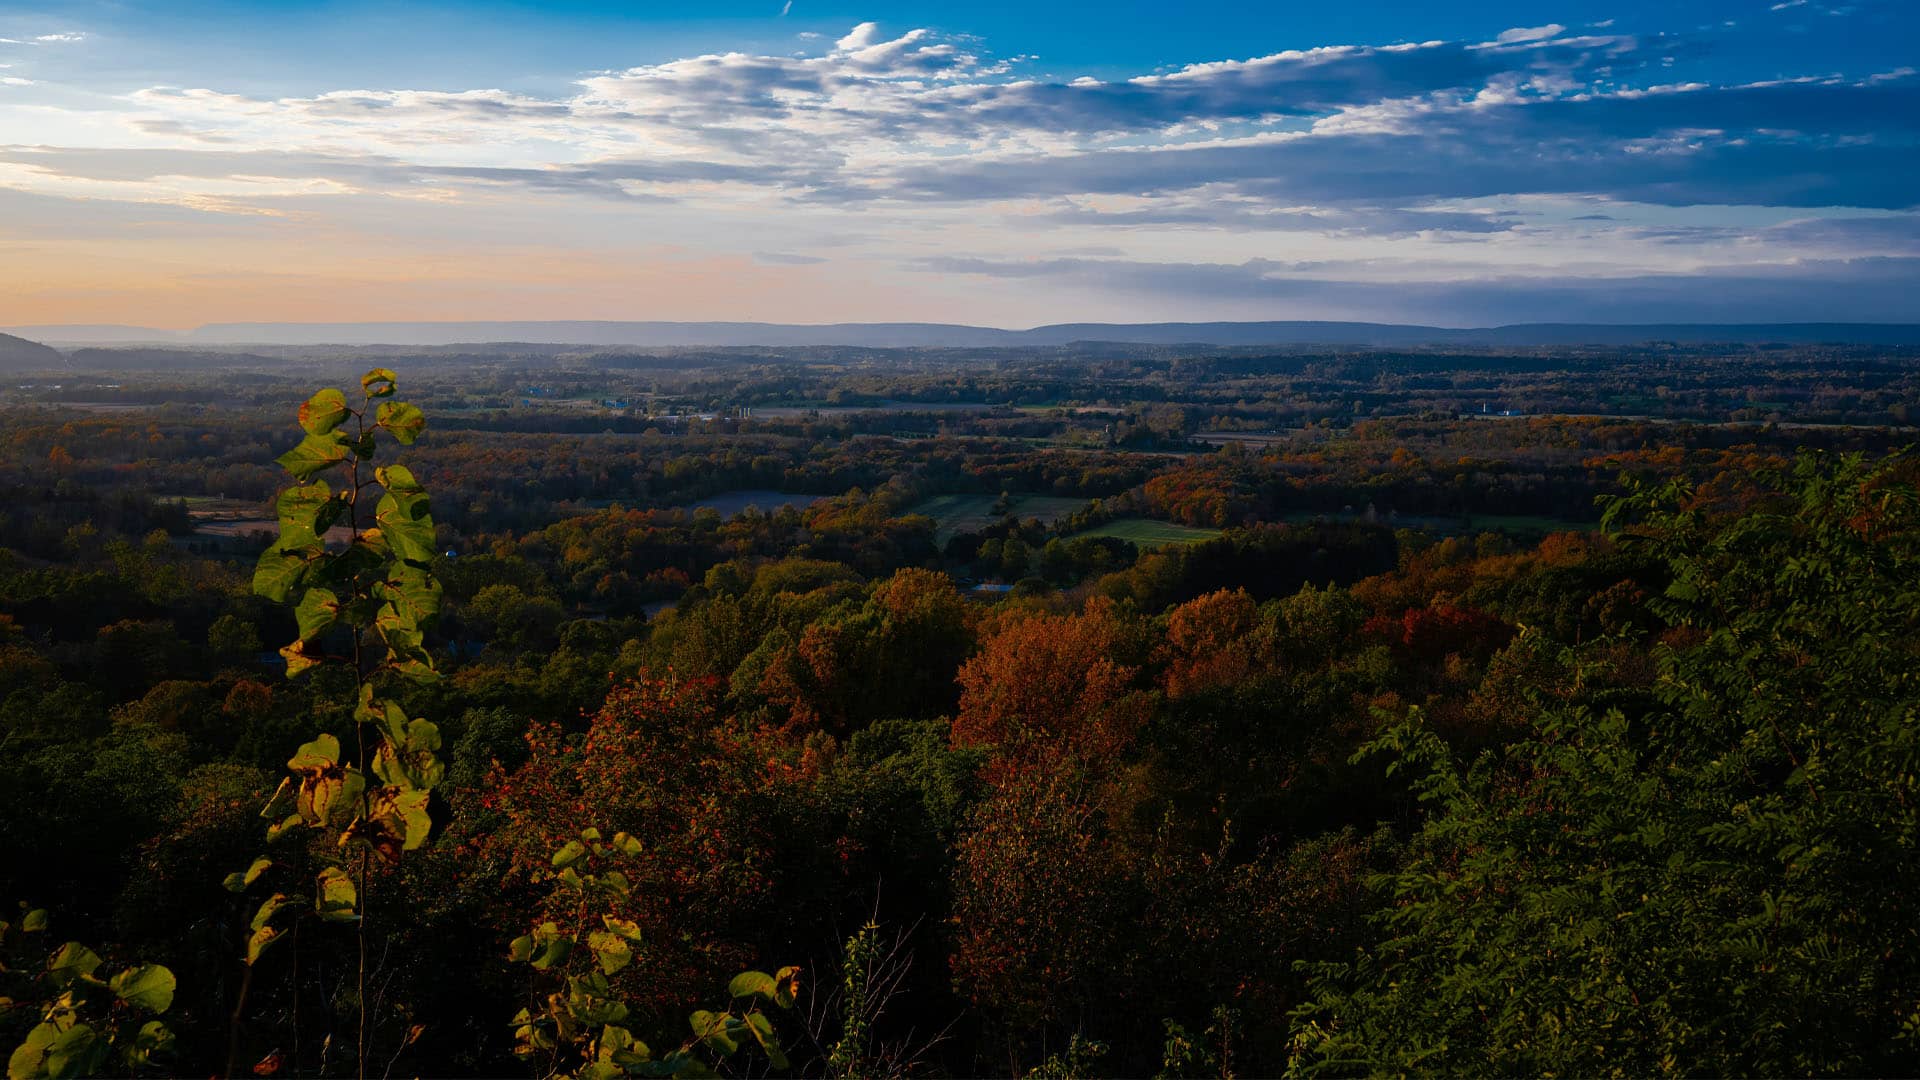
(1719, 878)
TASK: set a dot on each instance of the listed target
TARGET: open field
(1147, 533)
(956, 514)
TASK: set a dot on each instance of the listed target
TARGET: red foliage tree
(659, 762)
(1045, 686)
(1210, 642)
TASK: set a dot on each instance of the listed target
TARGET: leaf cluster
(580, 1028)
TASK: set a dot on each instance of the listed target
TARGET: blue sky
(1011, 164)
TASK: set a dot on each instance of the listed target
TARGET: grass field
(970, 513)
(1146, 533)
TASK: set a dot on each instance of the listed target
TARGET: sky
(171, 163)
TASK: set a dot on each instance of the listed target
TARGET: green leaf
(410, 596)
(372, 382)
(148, 986)
(612, 950)
(240, 879)
(405, 421)
(270, 907)
(413, 664)
(552, 952)
(751, 984)
(713, 1029)
(409, 762)
(277, 573)
(597, 1010)
(328, 790)
(626, 928)
(313, 454)
(417, 822)
(279, 829)
(299, 510)
(71, 964)
(337, 897)
(786, 985)
(316, 613)
(323, 412)
(264, 938)
(280, 570)
(28, 1056)
(77, 1051)
(153, 1038)
(299, 658)
(618, 1046)
(521, 950)
(402, 514)
(324, 750)
(569, 853)
(34, 921)
(762, 1028)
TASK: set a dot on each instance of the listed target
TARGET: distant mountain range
(941, 335)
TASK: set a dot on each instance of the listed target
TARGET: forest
(1082, 711)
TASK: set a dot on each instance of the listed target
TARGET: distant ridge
(19, 354)
(944, 335)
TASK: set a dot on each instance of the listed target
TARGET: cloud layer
(1584, 175)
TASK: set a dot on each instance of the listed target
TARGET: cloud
(59, 39)
(1783, 144)
(15, 80)
(1244, 215)
(776, 258)
(1529, 33)
(1863, 290)
(786, 8)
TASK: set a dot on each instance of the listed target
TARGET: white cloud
(15, 80)
(859, 37)
(60, 39)
(1529, 33)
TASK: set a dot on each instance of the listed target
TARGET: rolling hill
(19, 354)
